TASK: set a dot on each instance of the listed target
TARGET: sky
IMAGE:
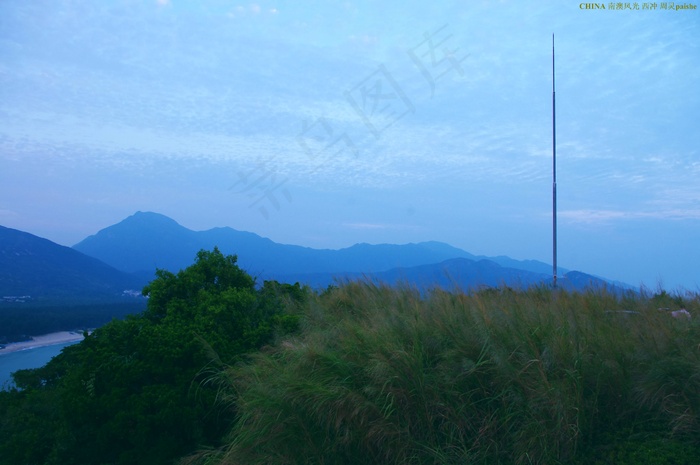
(329, 123)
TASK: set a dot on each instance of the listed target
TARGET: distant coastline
(43, 341)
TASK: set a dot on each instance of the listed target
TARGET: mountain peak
(149, 240)
(137, 225)
(149, 218)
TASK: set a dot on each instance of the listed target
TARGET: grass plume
(387, 375)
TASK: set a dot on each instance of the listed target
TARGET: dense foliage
(218, 371)
(381, 375)
(19, 321)
(138, 390)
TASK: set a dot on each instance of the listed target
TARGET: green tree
(136, 390)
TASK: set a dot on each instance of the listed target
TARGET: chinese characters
(378, 100)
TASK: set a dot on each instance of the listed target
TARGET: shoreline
(44, 340)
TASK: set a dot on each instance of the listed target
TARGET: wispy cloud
(7, 213)
(377, 226)
(252, 9)
(365, 226)
(608, 216)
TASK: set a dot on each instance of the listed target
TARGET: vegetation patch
(218, 370)
(385, 375)
(137, 390)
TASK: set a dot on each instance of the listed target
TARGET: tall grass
(386, 375)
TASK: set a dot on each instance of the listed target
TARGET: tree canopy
(137, 390)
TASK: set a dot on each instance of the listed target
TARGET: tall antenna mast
(554, 175)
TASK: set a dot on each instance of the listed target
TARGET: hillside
(36, 267)
(218, 371)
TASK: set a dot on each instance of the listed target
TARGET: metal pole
(554, 175)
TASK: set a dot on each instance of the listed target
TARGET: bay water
(28, 358)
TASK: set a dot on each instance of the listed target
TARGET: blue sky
(327, 123)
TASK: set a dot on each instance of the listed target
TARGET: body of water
(29, 358)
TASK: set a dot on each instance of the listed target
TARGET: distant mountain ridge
(36, 267)
(124, 256)
(460, 274)
(146, 241)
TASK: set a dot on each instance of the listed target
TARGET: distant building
(15, 298)
(132, 293)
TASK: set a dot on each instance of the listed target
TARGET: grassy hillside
(221, 371)
(382, 375)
